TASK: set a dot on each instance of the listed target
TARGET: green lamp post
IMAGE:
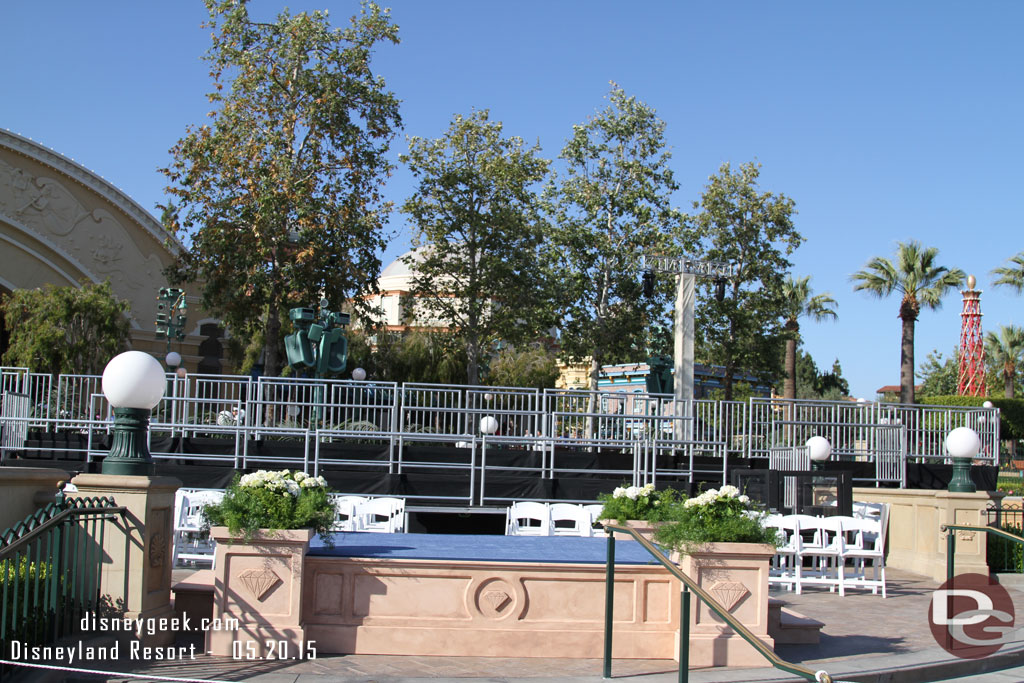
(963, 443)
(133, 383)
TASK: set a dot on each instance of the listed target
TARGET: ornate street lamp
(963, 443)
(133, 383)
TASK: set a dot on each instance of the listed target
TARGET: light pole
(134, 384)
(488, 425)
(963, 443)
(173, 361)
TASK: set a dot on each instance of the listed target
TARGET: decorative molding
(91, 181)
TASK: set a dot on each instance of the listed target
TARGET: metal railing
(50, 569)
(689, 586)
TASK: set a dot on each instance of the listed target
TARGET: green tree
(279, 196)
(65, 329)
(798, 303)
(611, 207)
(754, 231)
(940, 377)
(477, 220)
(920, 282)
(1012, 275)
(811, 383)
(533, 366)
(1004, 350)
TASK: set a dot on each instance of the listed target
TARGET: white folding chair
(345, 516)
(382, 515)
(570, 520)
(868, 547)
(528, 519)
(787, 564)
(594, 509)
(192, 542)
(826, 553)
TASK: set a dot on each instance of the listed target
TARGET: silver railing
(642, 429)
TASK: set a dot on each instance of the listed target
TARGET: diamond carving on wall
(729, 593)
(259, 581)
(497, 599)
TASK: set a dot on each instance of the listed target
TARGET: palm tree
(1011, 276)
(798, 302)
(921, 282)
(1004, 350)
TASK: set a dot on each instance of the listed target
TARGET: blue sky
(883, 121)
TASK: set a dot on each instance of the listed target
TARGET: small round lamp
(963, 443)
(819, 450)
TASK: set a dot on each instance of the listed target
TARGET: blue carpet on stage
(467, 548)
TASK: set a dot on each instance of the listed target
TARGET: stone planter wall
(259, 584)
(736, 576)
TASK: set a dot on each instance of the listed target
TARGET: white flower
(619, 492)
(744, 499)
(632, 492)
(729, 491)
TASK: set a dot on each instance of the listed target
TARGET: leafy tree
(754, 231)
(611, 207)
(65, 329)
(478, 226)
(1012, 275)
(414, 356)
(920, 282)
(940, 377)
(533, 366)
(279, 196)
(798, 303)
(1004, 350)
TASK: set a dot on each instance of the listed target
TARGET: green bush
(274, 500)
(637, 502)
(14, 574)
(1004, 555)
(715, 516)
(1011, 411)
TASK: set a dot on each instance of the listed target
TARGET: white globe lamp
(359, 374)
(173, 359)
(134, 384)
(818, 450)
(962, 443)
(488, 425)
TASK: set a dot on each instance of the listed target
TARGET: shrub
(715, 516)
(274, 500)
(637, 502)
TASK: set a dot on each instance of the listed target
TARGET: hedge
(1011, 411)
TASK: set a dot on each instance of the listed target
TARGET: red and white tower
(972, 344)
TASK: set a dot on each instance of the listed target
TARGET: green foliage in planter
(1011, 411)
(638, 502)
(1003, 555)
(30, 620)
(274, 500)
(715, 516)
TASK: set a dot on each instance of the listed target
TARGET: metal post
(609, 604)
(684, 635)
(683, 381)
(950, 552)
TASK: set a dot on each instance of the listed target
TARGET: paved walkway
(865, 638)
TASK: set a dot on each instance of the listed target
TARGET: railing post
(684, 635)
(609, 604)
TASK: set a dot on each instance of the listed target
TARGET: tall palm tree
(920, 282)
(799, 303)
(1011, 276)
(1004, 350)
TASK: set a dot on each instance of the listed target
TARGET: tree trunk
(789, 385)
(271, 342)
(1008, 384)
(473, 366)
(907, 362)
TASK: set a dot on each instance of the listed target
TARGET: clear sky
(883, 121)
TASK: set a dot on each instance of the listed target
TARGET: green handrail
(689, 585)
(951, 540)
